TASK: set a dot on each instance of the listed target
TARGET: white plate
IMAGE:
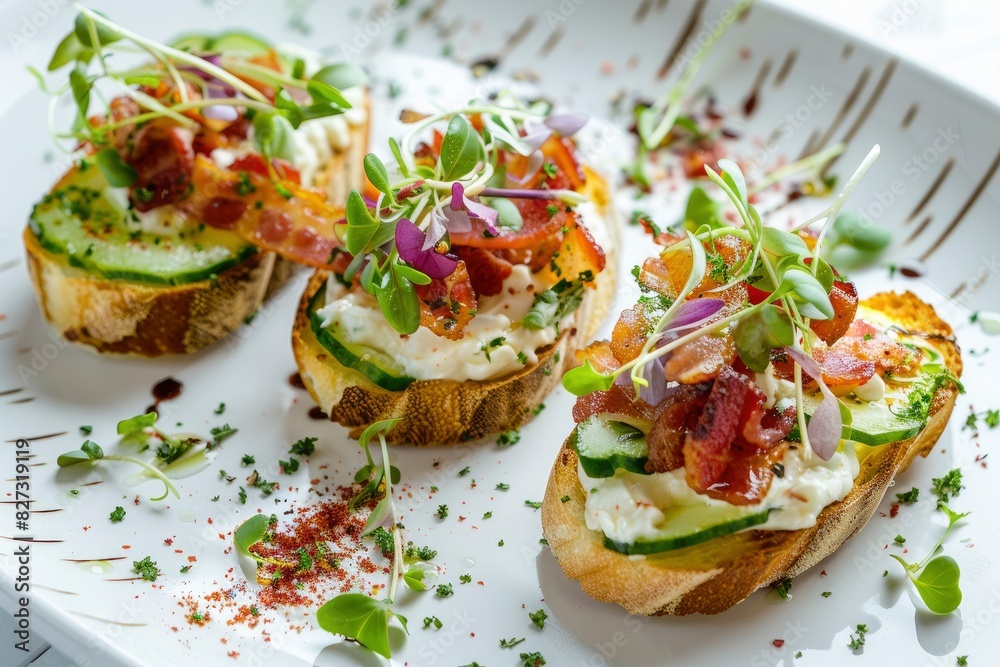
(584, 53)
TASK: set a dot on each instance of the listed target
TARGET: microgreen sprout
(136, 430)
(936, 579)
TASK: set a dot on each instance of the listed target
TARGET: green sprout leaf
(383, 426)
(414, 579)
(69, 49)
(584, 380)
(759, 332)
(779, 242)
(136, 424)
(361, 618)
(805, 289)
(732, 174)
(251, 532)
(89, 451)
(341, 76)
(398, 300)
(364, 232)
(460, 149)
(378, 175)
(82, 31)
(938, 585)
(702, 211)
(509, 215)
(855, 232)
(377, 517)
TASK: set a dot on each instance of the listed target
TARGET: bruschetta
(210, 166)
(744, 420)
(467, 281)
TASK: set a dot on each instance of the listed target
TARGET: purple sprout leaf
(826, 425)
(409, 244)
(475, 209)
(567, 124)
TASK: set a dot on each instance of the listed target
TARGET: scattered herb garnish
(433, 620)
(465, 578)
(538, 618)
(508, 438)
(146, 568)
(117, 514)
(948, 485)
(532, 659)
(783, 588)
(221, 409)
(86, 430)
(535, 504)
(858, 641)
(290, 466)
(909, 497)
(502, 486)
(511, 643)
(248, 460)
(304, 447)
(444, 590)
(442, 511)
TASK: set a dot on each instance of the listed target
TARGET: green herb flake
(508, 438)
(442, 511)
(221, 409)
(538, 618)
(86, 430)
(146, 568)
(535, 504)
(502, 486)
(532, 659)
(948, 485)
(433, 620)
(444, 590)
(858, 641)
(463, 472)
(511, 643)
(826, 594)
(290, 466)
(783, 588)
(909, 497)
(118, 514)
(465, 578)
(304, 447)
(488, 515)
(248, 460)
(899, 539)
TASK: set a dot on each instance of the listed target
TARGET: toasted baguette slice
(711, 577)
(444, 412)
(125, 317)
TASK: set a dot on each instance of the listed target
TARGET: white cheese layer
(426, 356)
(627, 507)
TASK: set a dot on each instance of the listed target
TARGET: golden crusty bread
(444, 412)
(711, 577)
(127, 317)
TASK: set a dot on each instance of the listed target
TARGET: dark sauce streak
(987, 177)
(786, 67)
(911, 113)
(845, 109)
(40, 437)
(880, 87)
(642, 11)
(848, 50)
(918, 231)
(750, 104)
(692, 22)
(28, 399)
(92, 560)
(945, 170)
(10, 391)
(296, 381)
(551, 42)
(518, 36)
(910, 272)
(317, 413)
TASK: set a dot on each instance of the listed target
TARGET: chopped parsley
(185, 569)
(962, 661)
(538, 618)
(992, 418)
(243, 496)
(197, 617)
(532, 659)
(444, 590)
(222, 408)
(899, 539)
(465, 578)
(442, 511)
(383, 540)
(215, 499)
(304, 447)
(146, 568)
(500, 543)
(289, 466)
(538, 409)
(919, 399)
(510, 643)
(533, 503)
(826, 594)
(909, 497)
(432, 620)
(421, 553)
(551, 209)
(491, 345)
(220, 433)
(463, 472)
(783, 588)
(508, 438)
(523, 358)
(488, 515)
(118, 514)
(859, 641)
(86, 430)
(948, 485)
(550, 169)
(503, 486)
(248, 460)
(564, 499)
(305, 560)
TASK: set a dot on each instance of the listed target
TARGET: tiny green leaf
(509, 215)
(69, 49)
(359, 617)
(804, 288)
(377, 516)
(378, 175)
(938, 585)
(414, 579)
(862, 235)
(341, 76)
(136, 424)
(759, 332)
(92, 449)
(702, 210)
(460, 149)
(779, 242)
(378, 427)
(583, 380)
(105, 35)
(398, 300)
(251, 532)
(72, 458)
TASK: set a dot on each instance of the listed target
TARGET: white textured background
(957, 39)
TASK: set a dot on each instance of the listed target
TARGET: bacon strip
(844, 298)
(447, 304)
(681, 411)
(162, 154)
(300, 228)
(486, 271)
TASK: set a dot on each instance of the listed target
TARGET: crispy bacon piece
(162, 154)
(538, 226)
(680, 413)
(840, 368)
(864, 341)
(300, 228)
(700, 360)
(630, 332)
(578, 256)
(600, 356)
(706, 449)
(764, 428)
(256, 164)
(119, 109)
(616, 400)
(844, 298)
(749, 474)
(695, 158)
(486, 271)
(447, 304)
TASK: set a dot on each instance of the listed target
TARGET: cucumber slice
(692, 524)
(375, 365)
(605, 445)
(85, 221)
(872, 424)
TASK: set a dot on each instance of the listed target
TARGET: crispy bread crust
(712, 577)
(444, 412)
